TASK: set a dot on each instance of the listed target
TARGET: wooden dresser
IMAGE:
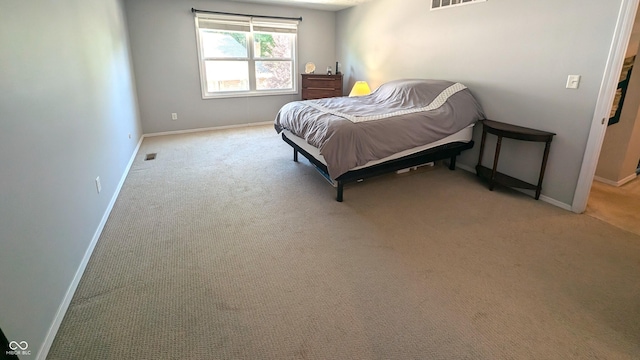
(318, 86)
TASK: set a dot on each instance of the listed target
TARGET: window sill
(245, 94)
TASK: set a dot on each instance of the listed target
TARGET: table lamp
(360, 88)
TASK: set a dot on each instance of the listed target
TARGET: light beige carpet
(224, 248)
(619, 206)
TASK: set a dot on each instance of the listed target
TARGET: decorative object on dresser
(318, 86)
(309, 68)
(360, 88)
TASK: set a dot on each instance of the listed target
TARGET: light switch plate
(573, 81)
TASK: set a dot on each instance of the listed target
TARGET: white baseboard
(62, 310)
(528, 192)
(615, 183)
(177, 132)
(555, 202)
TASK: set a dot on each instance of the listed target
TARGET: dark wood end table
(513, 132)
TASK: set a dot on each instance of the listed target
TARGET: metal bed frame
(447, 151)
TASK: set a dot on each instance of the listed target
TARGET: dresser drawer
(312, 93)
(327, 83)
(321, 86)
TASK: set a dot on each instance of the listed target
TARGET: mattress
(463, 135)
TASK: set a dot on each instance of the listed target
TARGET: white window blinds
(241, 23)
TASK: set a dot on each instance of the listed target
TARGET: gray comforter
(399, 115)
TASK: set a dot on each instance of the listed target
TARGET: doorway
(615, 191)
(620, 43)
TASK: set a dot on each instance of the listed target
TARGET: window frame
(252, 58)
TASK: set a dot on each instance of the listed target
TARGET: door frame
(617, 52)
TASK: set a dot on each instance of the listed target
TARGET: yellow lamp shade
(360, 88)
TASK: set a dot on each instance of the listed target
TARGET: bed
(402, 124)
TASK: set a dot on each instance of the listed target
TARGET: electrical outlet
(98, 185)
(174, 116)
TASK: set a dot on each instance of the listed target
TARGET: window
(244, 56)
(439, 4)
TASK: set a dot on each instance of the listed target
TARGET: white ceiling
(330, 5)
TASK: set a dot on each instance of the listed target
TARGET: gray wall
(514, 55)
(66, 110)
(163, 40)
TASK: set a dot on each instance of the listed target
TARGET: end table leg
(495, 164)
(484, 138)
(542, 168)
